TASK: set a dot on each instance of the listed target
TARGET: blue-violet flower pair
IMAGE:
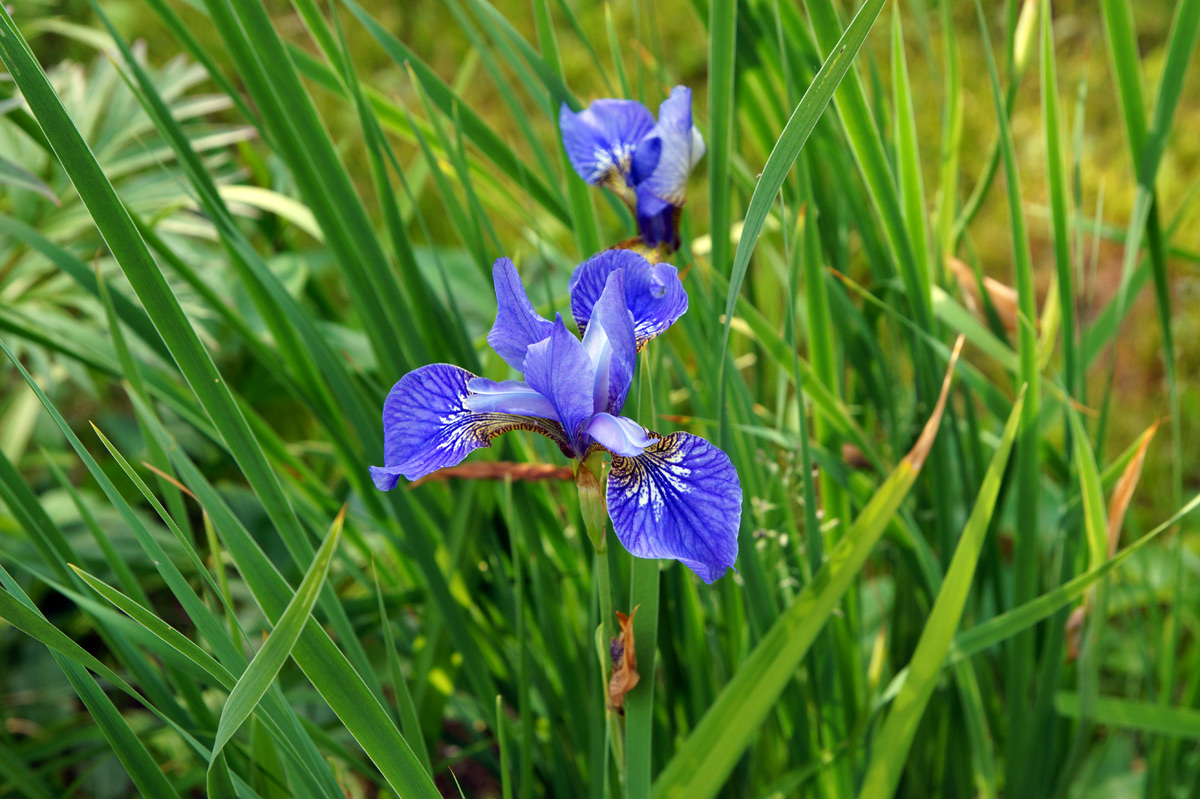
(617, 144)
(674, 496)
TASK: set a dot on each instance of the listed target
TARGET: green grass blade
(951, 146)
(474, 128)
(804, 118)
(912, 186)
(895, 739)
(325, 665)
(1026, 556)
(1006, 625)
(1127, 714)
(639, 704)
(410, 723)
(704, 761)
(870, 156)
(169, 635)
(262, 671)
(1056, 178)
(722, 56)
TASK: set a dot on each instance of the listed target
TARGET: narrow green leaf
(275, 651)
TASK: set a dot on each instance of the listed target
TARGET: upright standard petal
(560, 369)
(654, 293)
(427, 425)
(664, 159)
(610, 342)
(600, 139)
(517, 324)
(680, 498)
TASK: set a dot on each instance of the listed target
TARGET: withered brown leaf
(624, 658)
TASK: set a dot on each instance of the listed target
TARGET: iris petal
(507, 396)
(600, 139)
(619, 435)
(517, 323)
(679, 499)
(427, 426)
(653, 292)
(657, 220)
(560, 369)
(679, 147)
(609, 341)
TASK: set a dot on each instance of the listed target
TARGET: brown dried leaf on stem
(498, 470)
(624, 658)
(1118, 504)
(916, 456)
(1002, 297)
(1123, 491)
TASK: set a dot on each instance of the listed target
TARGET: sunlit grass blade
(952, 131)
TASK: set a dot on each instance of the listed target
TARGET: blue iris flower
(617, 143)
(674, 496)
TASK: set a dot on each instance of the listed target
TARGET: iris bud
(591, 502)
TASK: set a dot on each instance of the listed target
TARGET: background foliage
(226, 228)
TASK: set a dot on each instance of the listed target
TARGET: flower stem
(639, 704)
(595, 522)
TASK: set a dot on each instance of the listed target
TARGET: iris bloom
(674, 496)
(616, 143)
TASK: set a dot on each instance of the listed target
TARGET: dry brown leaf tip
(1003, 298)
(624, 659)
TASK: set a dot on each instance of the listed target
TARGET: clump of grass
(929, 493)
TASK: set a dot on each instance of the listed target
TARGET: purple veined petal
(679, 499)
(658, 220)
(645, 158)
(560, 369)
(680, 148)
(517, 323)
(600, 139)
(427, 426)
(619, 435)
(507, 396)
(654, 293)
(610, 343)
